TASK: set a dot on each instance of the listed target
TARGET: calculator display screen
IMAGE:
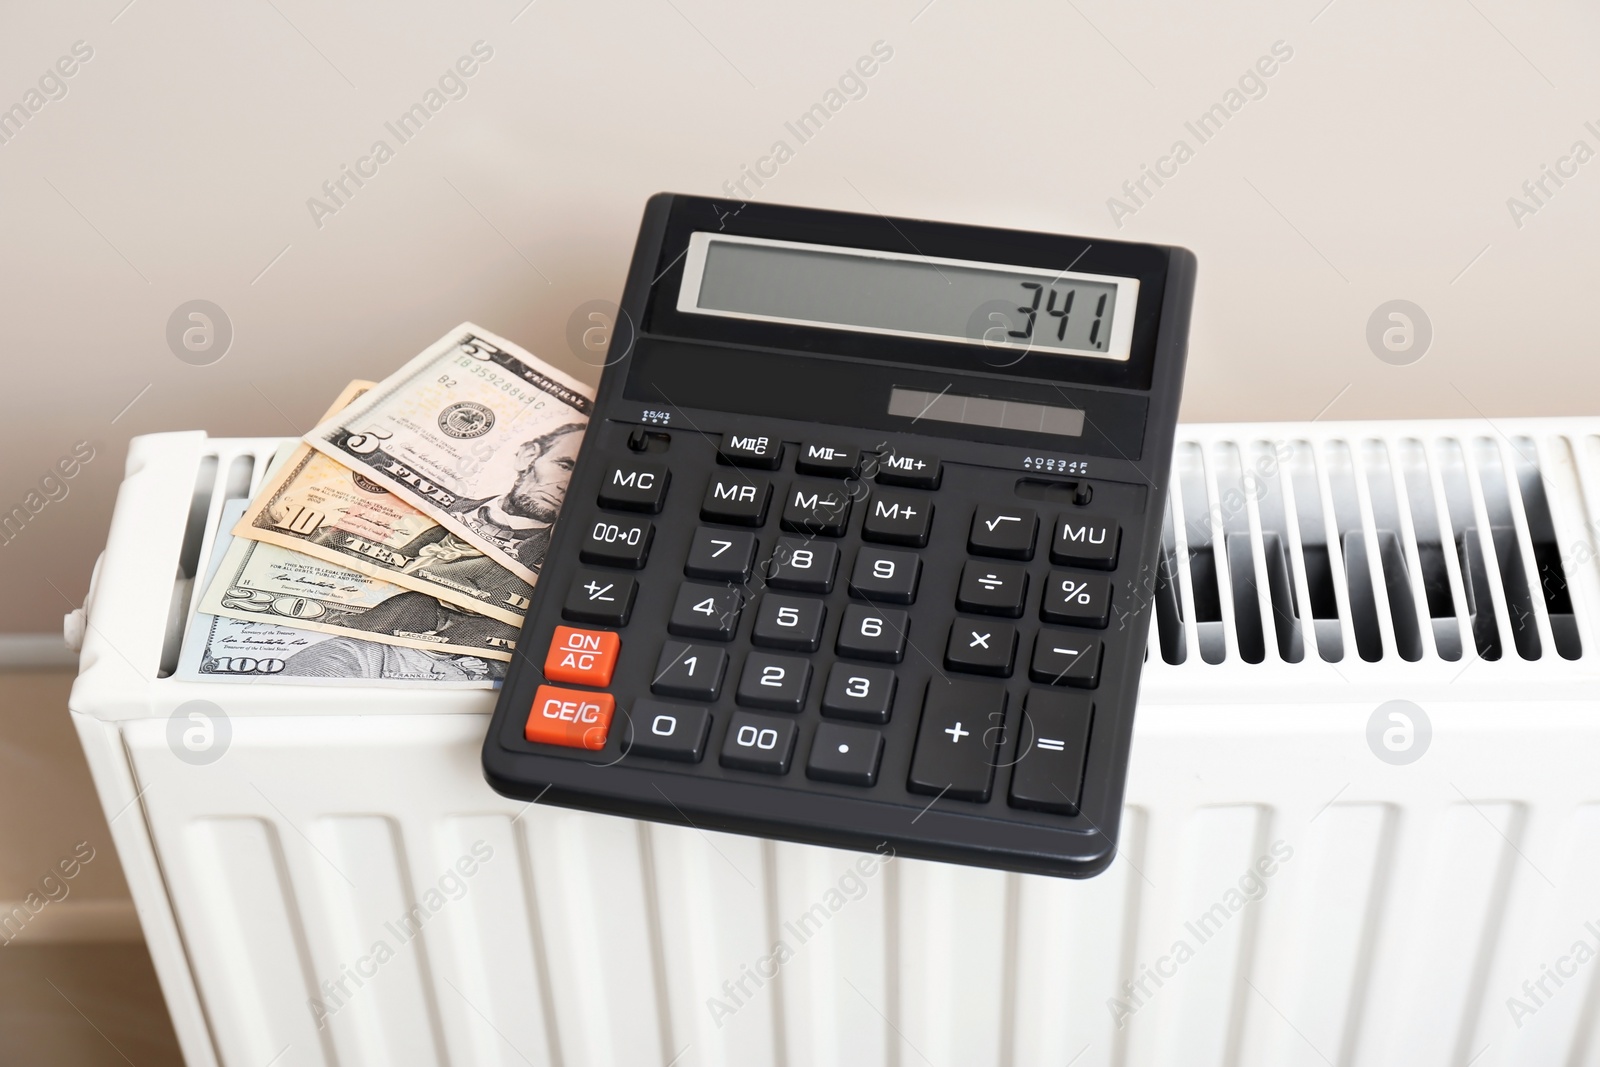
(1026, 309)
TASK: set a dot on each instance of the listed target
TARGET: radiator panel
(1426, 912)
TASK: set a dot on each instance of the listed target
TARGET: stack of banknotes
(399, 541)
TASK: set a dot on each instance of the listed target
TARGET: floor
(77, 987)
(82, 1005)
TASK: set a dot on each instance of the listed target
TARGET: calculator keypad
(899, 640)
(852, 587)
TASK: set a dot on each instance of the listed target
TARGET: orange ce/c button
(582, 657)
(569, 717)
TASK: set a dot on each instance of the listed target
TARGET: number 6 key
(873, 633)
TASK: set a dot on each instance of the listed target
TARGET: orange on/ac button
(582, 657)
(569, 717)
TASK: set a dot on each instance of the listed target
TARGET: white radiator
(341, 887)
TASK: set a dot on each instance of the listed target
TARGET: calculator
(861, 546)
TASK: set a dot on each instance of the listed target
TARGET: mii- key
(861, 545)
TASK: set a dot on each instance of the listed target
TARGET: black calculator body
(861, 546)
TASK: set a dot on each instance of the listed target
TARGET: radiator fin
(951, 976)
(375, 950)
(593, 890)
(247, 913)
(1373, 548)
(832, 910)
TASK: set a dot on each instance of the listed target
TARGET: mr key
(853, 571)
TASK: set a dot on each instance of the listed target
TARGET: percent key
(1077, 599)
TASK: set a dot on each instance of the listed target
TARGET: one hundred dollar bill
(321, 508)
(258, 582)
(223, 649)
(479, 434)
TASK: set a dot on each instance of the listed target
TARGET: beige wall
(179, 163)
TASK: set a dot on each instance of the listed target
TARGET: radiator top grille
(1375, 543)
(1356, 547)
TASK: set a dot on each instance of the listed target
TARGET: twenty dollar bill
(323, 509)
(223, 649)
(261, 582)
(476, 432)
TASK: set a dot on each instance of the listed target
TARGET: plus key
(963, 726)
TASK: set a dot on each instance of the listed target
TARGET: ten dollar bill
(321, 508)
